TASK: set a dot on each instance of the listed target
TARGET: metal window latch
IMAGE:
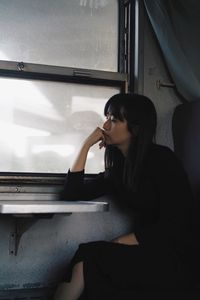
(20, 66)
(160, 84)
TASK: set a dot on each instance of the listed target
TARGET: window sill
(50, 207)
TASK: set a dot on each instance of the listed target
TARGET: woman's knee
(78, 268)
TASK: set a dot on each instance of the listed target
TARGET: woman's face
(116, 133)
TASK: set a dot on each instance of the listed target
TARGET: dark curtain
(177, 26)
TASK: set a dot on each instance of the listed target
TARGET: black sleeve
(175, 203)
(79, 187)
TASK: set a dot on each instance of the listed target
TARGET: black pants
(116, 271)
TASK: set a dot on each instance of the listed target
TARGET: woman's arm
(93, 138)
(76, 187)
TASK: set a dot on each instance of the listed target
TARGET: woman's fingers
(95, 136)
(102, 144)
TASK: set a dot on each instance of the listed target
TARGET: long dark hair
(141, 117)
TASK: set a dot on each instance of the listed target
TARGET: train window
(73, 33)
(59, 62)
(42, 124)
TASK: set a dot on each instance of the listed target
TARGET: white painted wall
(154, 69)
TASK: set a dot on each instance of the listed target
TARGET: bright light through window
(42, 124)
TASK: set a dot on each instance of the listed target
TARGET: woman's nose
(106, 125)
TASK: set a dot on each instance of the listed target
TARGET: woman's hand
(80, 161)
(96, 136)
(127, 239)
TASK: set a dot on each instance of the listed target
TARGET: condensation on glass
(42, 124)
(73, 33)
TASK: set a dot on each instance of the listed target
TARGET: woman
(150, 181)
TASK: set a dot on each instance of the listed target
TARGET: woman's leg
(72, 290)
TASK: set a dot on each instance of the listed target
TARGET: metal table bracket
(19, 227)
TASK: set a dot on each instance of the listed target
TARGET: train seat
(186, 136)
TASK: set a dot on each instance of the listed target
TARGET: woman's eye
(113, 119)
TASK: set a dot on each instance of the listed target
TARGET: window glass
(42, 124)
(73, 33)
